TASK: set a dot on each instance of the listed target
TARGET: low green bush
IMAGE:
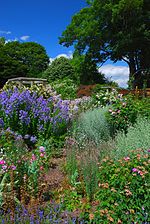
(124, 113)
(66, 87)
(92, 126)
(123, 195)
(106, 96)
(138, 136)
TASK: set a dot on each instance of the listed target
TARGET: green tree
(86, 70)
(59, 68)
(21, 59)
(113, 29)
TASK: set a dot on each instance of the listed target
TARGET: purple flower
(1, 122)
(134, 170)
(42, 149)
(13, 167)
(27, 111)
(19, 137)
(33, 139)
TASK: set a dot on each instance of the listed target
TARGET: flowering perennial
(33, 115)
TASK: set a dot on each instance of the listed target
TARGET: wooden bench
(27, 81)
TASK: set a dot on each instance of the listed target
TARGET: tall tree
(21, 59)
(86, 70)
(59, 68)
(113, 29)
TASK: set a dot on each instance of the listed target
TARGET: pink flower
(148, 150)
(126, 158)
(42, 154)
(4, 167)
(140, 172)
(2, 162)
(135, 170)
(33, 157)
(42, 149)
(13, 167)
(41, 167)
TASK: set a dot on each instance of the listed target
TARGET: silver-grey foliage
(92, 126)
(137, 137)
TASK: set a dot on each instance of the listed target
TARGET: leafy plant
(106, 97)
(19, 166)
(92, 126)
(66, 88)
(89, 170)
(138, 136)
(124, 113)
(123, 192)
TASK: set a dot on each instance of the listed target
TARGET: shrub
(66, 88)
(124, 113)
(123, 193)
(138, 136)
(92, 126)
(106, 97)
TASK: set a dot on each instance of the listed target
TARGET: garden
(65, 159)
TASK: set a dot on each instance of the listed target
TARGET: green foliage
(22, 59)
(66, 87)
(116, 30)
(137, 137)
(92, 126)
(59, 68)
(41, 90)
(86, 69)
(71, 200)
(124, 112)
(53, 144)
(22, 166)
(123, 193)
(72, 167)
(89, 170)
(105, 97)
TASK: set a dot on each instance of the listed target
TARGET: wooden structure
(27, 81)
(136, 92)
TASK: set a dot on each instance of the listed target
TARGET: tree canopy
(58, 69)
(112, 29)
(80, 68)
(21, 59)
(86, 70)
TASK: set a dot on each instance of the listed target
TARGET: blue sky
(43, 22)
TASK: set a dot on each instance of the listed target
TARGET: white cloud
(5, 32)
(69, 55)
(119, 74)
(24, 38)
